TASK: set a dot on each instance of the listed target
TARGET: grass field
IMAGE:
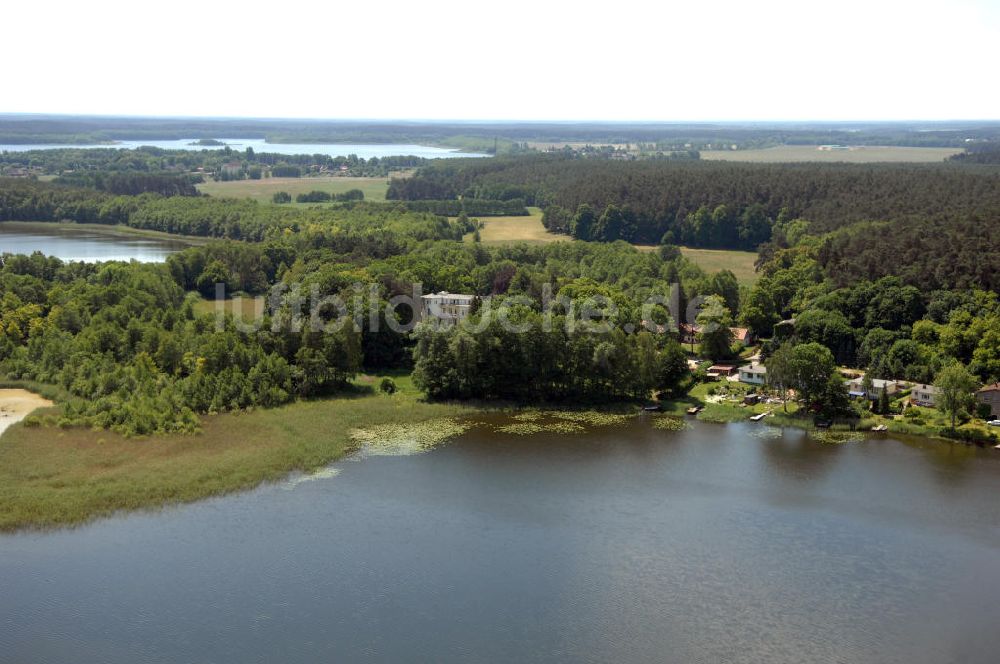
(739, 263)
(263, 190)
(247, 308)
(51, 476)
(859, 155)
(503, 230)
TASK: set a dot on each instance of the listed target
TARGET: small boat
(881, 427)
(758, 417)
(693, 410)
(652, 409)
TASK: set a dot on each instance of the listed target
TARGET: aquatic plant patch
(670, 423)
(400, 439)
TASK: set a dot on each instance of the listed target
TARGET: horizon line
(729, 121)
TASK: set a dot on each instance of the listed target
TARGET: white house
(754, 374)
(924, 395)
(856, 387)
(446, 306)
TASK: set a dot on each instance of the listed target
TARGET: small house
(723, 370)
(924, 395)
(742, 335)
(990, 395)
(754, 374)
(689, 333)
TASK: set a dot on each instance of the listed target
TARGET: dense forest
(938, 217)
(27, 200)
(899, 331)
(890, 267)
(128, 345)
(980, 153)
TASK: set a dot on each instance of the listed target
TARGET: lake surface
(83, 243)
(363, 150)
(718, 544)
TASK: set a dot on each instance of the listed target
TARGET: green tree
(672, 368)
(583, 222)
(956, 385)
(780, 371)
(812, 366)
(215, 272)
(716, 338)
(724, 283)
(834, 399)
(883, 401)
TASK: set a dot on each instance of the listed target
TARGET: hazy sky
(621, 60)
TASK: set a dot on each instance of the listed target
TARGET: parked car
(994, 423)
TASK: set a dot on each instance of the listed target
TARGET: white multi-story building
(446, 306)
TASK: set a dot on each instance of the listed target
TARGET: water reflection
(795, 456)
(72, 242)
(950, 463)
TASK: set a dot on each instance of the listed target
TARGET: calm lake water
(80, 243)
(717, 544)
(363, 150)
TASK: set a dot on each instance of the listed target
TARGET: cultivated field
(739, 263)
(262, 190)
(501, 230)
(860, 154)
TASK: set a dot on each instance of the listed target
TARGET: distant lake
(363, 150)
(84, 243)
(723, 543)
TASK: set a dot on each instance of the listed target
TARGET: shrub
(314, 196)
(387, 386)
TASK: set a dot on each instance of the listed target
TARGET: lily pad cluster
(670, 423)
(401, 439)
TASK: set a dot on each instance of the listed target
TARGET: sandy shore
(16, 404)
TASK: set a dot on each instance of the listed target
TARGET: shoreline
(726, 412)
(18, 403)
(109, 230)
(53, 476)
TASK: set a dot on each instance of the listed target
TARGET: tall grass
(51, 476)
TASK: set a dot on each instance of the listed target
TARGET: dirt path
(16, 404)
